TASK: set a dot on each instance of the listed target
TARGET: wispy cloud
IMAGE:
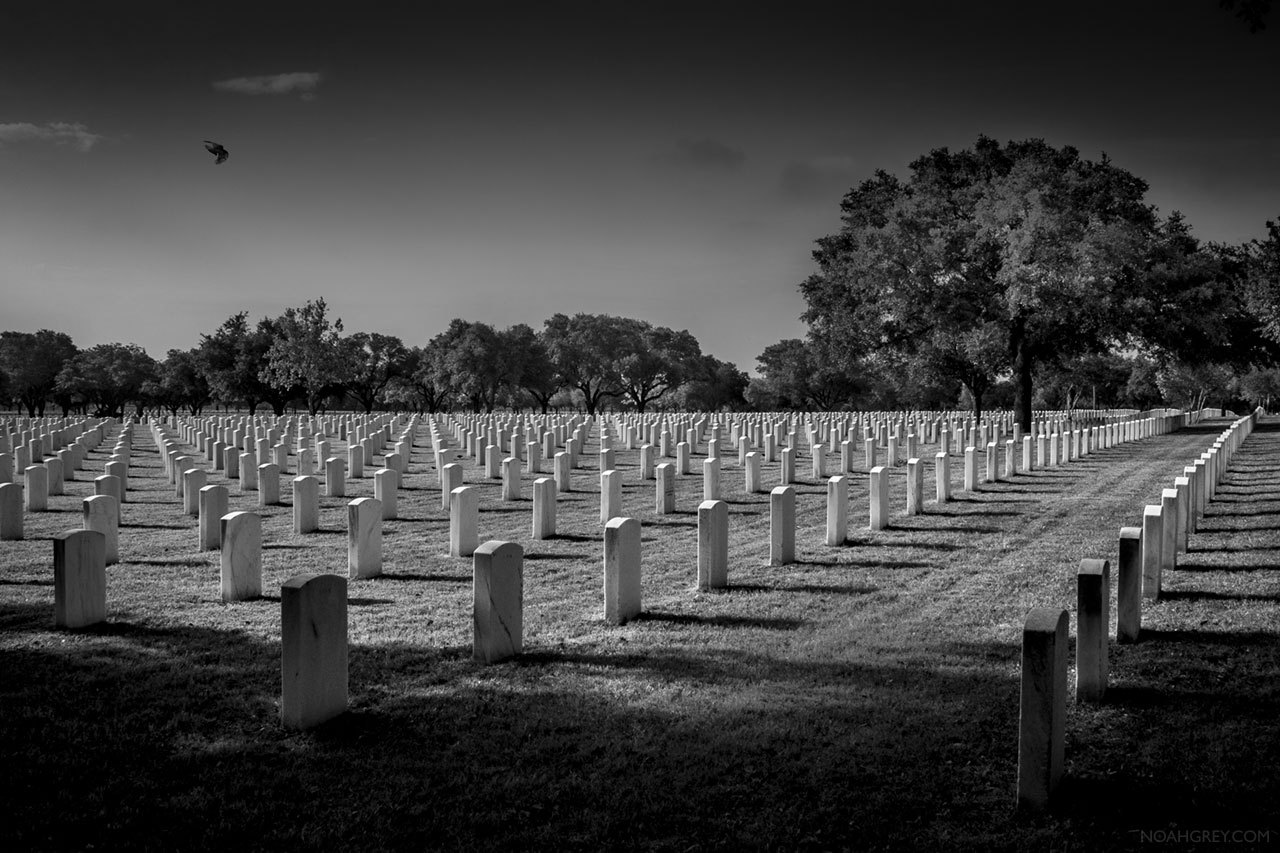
(708, 155)
(57, 132)
(272, 84)
(816, 179)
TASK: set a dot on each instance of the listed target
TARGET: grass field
(865, 697)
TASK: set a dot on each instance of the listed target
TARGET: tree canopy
(997, 259)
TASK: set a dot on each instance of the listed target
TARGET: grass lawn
(865, 697)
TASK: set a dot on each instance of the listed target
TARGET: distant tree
(795, 376)
(652, 361)
(717, 386)
(583, 349)
(378, 360)
(1261, 281)
(309, 354)
(1261, 386)
(1023, 244)
(1142, 389)
(469, 358)
(1095, 380)
(31, 362)
(538, 376)
(232, 359)
(180, 383)
(107, 377)
(1193, 387)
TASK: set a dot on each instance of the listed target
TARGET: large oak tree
(983, 261)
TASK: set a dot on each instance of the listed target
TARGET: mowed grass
(865, 697)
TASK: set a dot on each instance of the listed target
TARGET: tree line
(304, 360)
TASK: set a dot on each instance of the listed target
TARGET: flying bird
(217, 150)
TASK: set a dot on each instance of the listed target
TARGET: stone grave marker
(713, 545)
(464, 515)
(782, 526)
(102, 513)
(364, 538)
(544, 508)
(1093, 594)
(79, 578)
(621, 570)
(498, 602)
(837, 510)
(1042, 719)
(11, 521)
(241, 556)
(313, 649)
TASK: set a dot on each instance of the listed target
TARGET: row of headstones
(40, 481)
(233, 446)
(1144, 554)
(1051, 449)
(546, 490)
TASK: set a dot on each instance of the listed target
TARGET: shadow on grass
(136, 526)
(1208, 595)
(722, 621)
(889, 543)
(982, 513)
(1214, 638)
(412, 576)
(169, 561)
(1203, 567)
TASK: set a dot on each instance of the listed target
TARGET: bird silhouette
(217, 150)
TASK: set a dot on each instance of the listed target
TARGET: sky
(502, 161)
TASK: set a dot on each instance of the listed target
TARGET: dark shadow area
(1209, 595)
(1202, 567)
(168, 561)
(976, 514)
(410, 576)
(773, 624)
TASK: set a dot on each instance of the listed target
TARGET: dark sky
(505, 161)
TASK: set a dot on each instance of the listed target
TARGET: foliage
(794, 375)
(469, 359)
(1261, 386)
(1194, 386)
(309, 354)
(1094, 380)
(233, 358)
(983, 261)
(30, 363)
(378, 359)
(538, 376)
(653, 361)
(1261, 276)
(180, 382)
(717, 386)
(107, 377)
(583, 349)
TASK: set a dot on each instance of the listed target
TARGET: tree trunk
(1022, 374)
